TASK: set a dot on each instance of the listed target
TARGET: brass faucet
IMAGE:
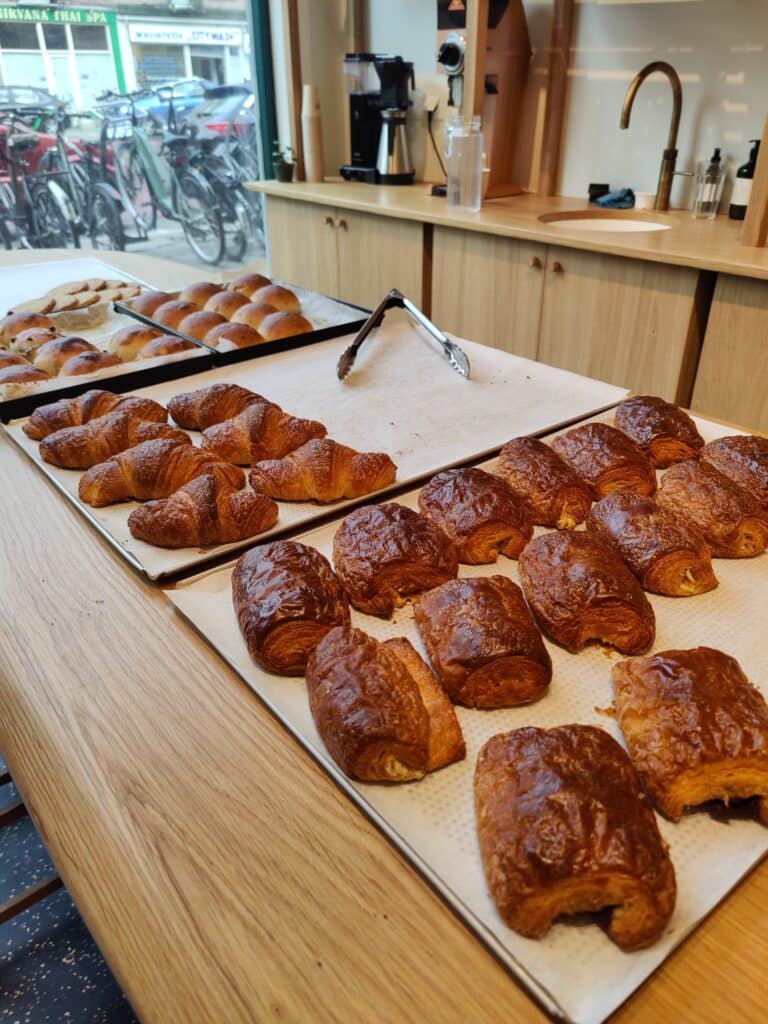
(669, 156)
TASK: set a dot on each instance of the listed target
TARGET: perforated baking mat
(576, 971)
(402, 398)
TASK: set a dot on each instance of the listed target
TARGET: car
(38, 106)
(184, 94)
(221, 105)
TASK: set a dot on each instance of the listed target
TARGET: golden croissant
(154, 469)
(262, 431)
(71, 412)
(204, 511)
(87, 445)
(196, 410)
(323, 470)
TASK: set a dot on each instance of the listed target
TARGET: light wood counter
(705, 245)
(223, 875)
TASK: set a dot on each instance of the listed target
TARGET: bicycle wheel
(237, 230)
(130, 175)
(200, 218)
(105, 227)
(51, 228)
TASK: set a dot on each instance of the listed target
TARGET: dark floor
(51, 970)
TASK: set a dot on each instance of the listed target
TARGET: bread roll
(28, 342)
(226, 303)
(238, 335)
(170, 314)
(252, 313)
(148, 302)
(12, 359)
(129, 341)
(279, 297)
(284, 325)
(165, 345)
(53, 354)
(199, 292)
(22, 374)
(248, 284)
(198, 324)
(11, 326)
(88, 362)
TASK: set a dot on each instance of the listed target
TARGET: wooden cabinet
(356, 257)
(488, 288)
(733, 369)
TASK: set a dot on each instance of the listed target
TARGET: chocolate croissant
(552, 491)
(666, 553)
(606, 459)
(72, 412)
(483, 643)
(153, 469)
(196, 410)
(743, 458)
(261, 431)
(732, 522)
(384, 554)
(323, 470)
(480, 513)
(286, 598)
(205, 511)
(93, 442)
(564, 828)
(369, 708)
(580, 591)
(665, 433)
(696, 728)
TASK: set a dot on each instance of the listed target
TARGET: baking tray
(576, 972)
(26, 281)
(329, 316)
(401, 398)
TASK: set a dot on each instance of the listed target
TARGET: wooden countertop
(223, 875)
(706, 245)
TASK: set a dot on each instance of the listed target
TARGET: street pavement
(167, 242)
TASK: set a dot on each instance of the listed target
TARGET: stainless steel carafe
(393, 163)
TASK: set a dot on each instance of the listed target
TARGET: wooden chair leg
(12, 812)
(29, 897)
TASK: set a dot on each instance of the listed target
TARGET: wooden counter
(704, 245)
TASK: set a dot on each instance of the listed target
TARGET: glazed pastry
(323, 470)
(232, 336)
(252, 313)
(369, 709)
(129, 341)
(71, 412)
(666, 553)
(170, 314)
(480, 513)
(743, 458)
(196, 410)
(284, 325)
(249, 284)
(553, 492)
(225, 303)
(205, 511)
(22, 374)
(384, 554)
(53, 354)
(564, 828)
(696, 728)
(153, 469)
(286, 598)
(580, 590)
(165, 345)
(12, 359)
(277, 296)
(199, 292)
(261, 431)
(88, 362)
(606, 459)
(13, 325)
(664, 432)
(198, 324)
(94, 442)
(28, 342)
(732, 522)
(148, 302)
(483, 643)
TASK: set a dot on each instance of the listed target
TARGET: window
(89, 37)
(55, 37)
(18, 36)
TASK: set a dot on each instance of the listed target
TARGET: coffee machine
(377, 86)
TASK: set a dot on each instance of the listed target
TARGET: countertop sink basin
(609, 220)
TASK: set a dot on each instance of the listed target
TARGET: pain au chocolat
(580, 591)
(379, 710)
(384, 554)
(480, 513)
(665, 432)
(564, 828)
(743, 458)
(667, 554)
(551, 489)
(286, 598)
(732, 522)
(696, 728)
(606, 459)
(483, 643)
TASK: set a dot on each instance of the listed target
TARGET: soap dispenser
(709, 187)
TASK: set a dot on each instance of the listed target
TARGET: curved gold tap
(669, 156)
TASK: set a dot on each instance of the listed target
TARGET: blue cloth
(621, 199)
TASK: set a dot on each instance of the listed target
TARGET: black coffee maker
(375, 82)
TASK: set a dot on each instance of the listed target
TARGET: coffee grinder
(377, 86)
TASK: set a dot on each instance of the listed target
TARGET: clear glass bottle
(464, 164)
(709, 187)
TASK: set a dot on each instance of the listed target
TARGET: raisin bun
(148, 302)
(198, 324)
(129, 341)
(248, 284)
(279, 297)
(252, 313)
(284, 325)
(88, 362)
(53, 354)
(28, 342)
(199, 292)
(13, 325)
(170, 314)
(226, 303)
(12, 359)
(229, 336)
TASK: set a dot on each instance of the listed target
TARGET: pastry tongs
(454, 354)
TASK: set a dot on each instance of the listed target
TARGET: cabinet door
(302, 244)
(376, 254)
(625, 321)
(733, 369)
(488, 289)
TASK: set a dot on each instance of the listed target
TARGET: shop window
(89, 37)
(55, 37)
(18, 37)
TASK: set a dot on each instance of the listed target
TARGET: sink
(592, 220)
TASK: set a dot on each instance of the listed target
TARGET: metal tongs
(395, 298)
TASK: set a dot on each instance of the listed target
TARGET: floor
(51, 970)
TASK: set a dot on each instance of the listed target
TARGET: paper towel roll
(311, 134)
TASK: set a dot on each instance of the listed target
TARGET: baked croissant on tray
(71, 412)
(606, 459)
(93, 442)
(550, 488)
(665, 432)
(196, 410)
(261, 431)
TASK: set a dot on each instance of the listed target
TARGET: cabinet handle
(535, 263)
(557, 267)
(341, 223)
(329, 221)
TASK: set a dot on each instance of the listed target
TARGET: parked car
(38, 106)
(221, 104)
(184, 94)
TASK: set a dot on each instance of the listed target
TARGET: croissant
(667, 554)
(71, 412)
(696, 728)
(664, 432)
(552, 491)
(606, 459)
(87, 445)
(204, 511)
(196, 410)
(261, 431)
(323, 470)
(743, 458)
(153, 469)
(564, 828)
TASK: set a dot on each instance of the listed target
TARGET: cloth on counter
(619, 199)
